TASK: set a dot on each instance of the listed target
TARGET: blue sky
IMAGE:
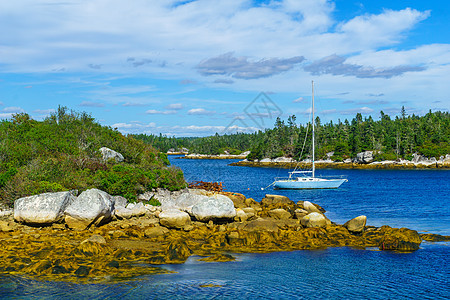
(194, 68)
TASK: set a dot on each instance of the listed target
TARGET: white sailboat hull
(308, 183)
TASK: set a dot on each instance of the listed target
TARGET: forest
(389, 138)
(61, 153)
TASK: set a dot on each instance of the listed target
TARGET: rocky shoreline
(211, 156)
(341, 165)
(95, 237)
(363, 160)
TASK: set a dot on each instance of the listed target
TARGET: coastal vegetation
(389, 138)
(62, 153)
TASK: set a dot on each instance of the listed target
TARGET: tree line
(389, 138)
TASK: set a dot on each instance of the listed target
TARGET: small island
(81, 202)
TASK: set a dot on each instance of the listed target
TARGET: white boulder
(174, 218)
(45, 208)
(364, 157)
(214, 207)
(309, 207)
(91, 207)
(108, 154)
(314, 219)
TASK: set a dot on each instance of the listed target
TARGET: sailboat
(307, 179)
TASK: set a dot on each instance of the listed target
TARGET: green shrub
(62, 153)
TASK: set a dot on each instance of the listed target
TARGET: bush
(62, 153)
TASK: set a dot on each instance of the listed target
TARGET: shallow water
(412, 198)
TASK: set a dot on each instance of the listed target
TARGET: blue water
(417, 199)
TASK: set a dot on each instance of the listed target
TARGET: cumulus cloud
(374, 30)
(7, 112)
(335, 65)
(240, 67)
(200, 111)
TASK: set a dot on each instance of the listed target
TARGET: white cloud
(44, 111)
(164, 42)
(134, 127)
(13, 109)
(353, 111)
(5, 115)
(160, 112)
(175, 106)
(387, 28)
(200, 111)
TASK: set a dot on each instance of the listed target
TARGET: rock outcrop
(174, 218)
(45, 208)
(216, 207)
(91, 207)
(357, 224)
(364, 157)
(314, 219)
(108, 154)
(112, 250)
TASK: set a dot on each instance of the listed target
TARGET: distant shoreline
(209, 156)
(341, 165)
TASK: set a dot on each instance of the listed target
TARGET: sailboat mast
(313, 143)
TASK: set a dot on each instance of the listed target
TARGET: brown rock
(261, 225)
(310, 207)
(402, 239)
(96, 238)
(276, 199)
(75, 223)
(300, 213)
(279, 214)
(218, 258)
(156, 231)
(241, 216)
(6, 226)
(356, 224)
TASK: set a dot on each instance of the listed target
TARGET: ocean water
(417, 199)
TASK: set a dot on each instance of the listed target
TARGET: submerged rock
(45, 208)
